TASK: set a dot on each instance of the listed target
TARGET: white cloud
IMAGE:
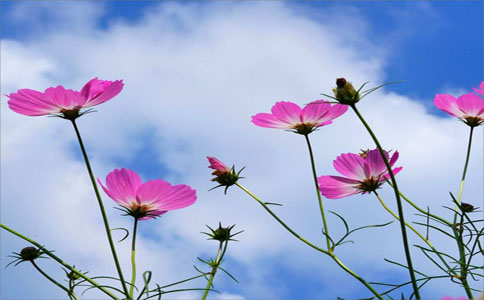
(194, 75)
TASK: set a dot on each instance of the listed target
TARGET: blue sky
(212, 68)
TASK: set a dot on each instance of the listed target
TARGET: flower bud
(221, 234)
(345, 93)
(466, 207)
(73, 275)
(29, 253)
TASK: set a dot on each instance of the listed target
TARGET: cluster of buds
(224, 175)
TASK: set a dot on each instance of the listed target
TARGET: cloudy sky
(194, 73)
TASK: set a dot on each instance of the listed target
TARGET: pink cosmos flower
(481, 89)
(451, 298)
(469, 107)
(146, 200)
(64, 101)
(288, 115)
(363, 174)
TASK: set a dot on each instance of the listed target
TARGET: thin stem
(461, 187)
(133, 259)
(53, 281)
(416, 232)
(101, 206)
(218, 259)
(458, 235)
(331, 254)
(53, 256)
(318, 192)
(399, 203)
(420, 209)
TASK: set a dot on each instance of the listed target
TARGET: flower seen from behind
(362, 174)
(289, 116)
(66, 102)
(469, 107)
(146, 200)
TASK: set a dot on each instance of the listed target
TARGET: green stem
(133, 259)
(331, 254)
(318, 192)
(399, 203)
(420, 209)
(462, 260)
(48, 253)
(461, 187)
(458, 235)
(218, 259)
(416, 232)
(101, 206)
(53, 281)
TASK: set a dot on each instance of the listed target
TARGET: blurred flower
(469, 107)
(481, 89)
(288, 115)
(363, 174)
(146, 200)
(451, 298)
(345, 93)
(64, 102)
(223, 174)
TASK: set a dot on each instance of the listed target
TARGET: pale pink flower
(146, 200)
(451, 298)
(289, 116)
(468, 107)
(363, 174)
(481, 89)
(58, 100)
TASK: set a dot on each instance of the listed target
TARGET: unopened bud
(29, 253)
(466, 207)
(345, 93)
(73, 275)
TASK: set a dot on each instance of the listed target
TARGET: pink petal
(122, 186)
(471, 105)
(315, 111)
(335, 187)
(269, 121)
(179, 196)
(31, 103)
(287, 112)
(62, 98)
(375, 165)
(99, 91)
(395, 172)
(164, 196)
(448, 104)
(350, 165)
(217, 164)
(481, 89)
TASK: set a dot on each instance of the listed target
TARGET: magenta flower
(146, 200)
(363, 174)
(63, 101)
(219, 167)
(481, 89)
(288, 115)
(469, 107)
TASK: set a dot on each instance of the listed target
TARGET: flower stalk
(318, 193)
(221, 251)
(101, 207)
(133, 259)
(398, 200)
(302, 239)
(69, 292)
